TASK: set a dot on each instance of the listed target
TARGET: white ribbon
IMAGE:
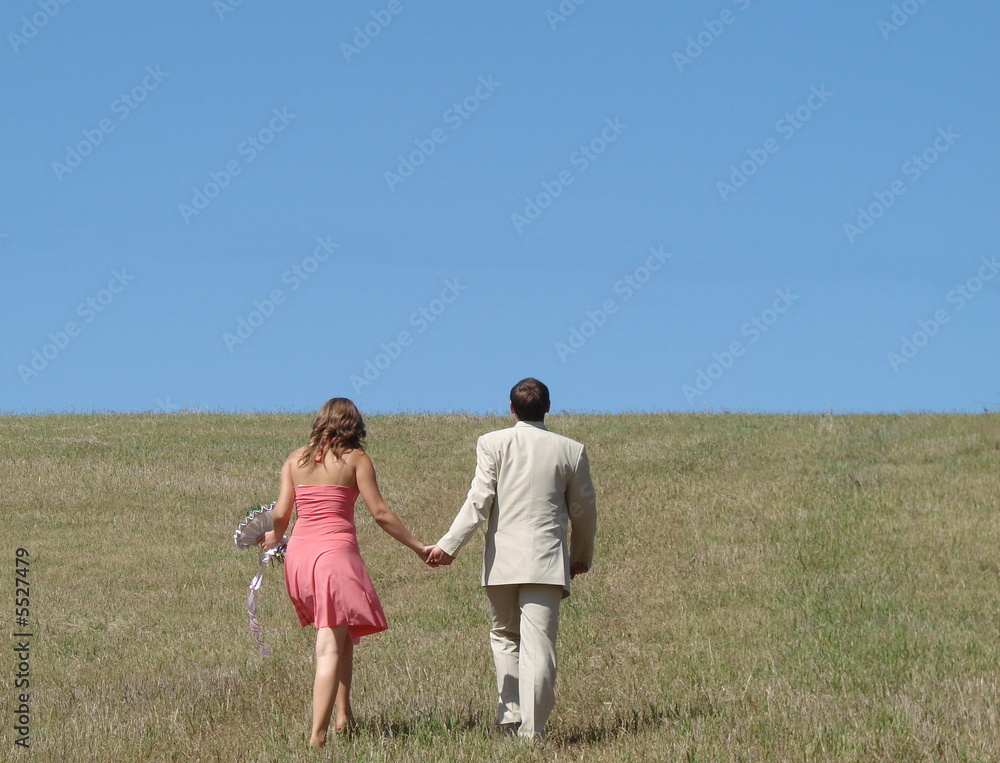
(263, 558)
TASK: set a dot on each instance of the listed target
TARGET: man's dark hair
(530, 399)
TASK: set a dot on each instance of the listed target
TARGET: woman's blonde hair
(338, 427)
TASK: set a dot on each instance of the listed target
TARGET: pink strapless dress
(324, 574)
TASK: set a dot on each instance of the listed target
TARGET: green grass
(765, 588)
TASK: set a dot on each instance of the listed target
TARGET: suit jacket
(530, 484)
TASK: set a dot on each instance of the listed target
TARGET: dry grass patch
(766, 587)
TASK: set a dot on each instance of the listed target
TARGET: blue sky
(728, 205)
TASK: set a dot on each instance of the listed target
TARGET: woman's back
(330, 470)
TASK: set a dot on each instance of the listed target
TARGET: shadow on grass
(424, 727)
(611, 726)
(631, 722)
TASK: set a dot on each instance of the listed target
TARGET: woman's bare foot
(318, 739)
(346, 726)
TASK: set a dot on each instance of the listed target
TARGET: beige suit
(530, 486)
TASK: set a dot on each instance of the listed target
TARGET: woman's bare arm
(282, 512)
(381, 513)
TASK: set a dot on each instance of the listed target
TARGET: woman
(324, 574)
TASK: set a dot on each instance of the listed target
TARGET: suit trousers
(523, 636)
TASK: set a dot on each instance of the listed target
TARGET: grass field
(765, 588)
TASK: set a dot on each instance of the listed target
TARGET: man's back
(530, 484)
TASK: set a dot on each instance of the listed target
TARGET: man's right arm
(478, 504)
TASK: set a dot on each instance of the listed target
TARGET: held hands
(436, 557)
(424, 553)
(433, 556)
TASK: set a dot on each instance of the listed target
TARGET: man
(530, 484)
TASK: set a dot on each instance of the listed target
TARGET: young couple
(530, 486)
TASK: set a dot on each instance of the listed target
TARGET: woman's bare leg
(345, 717)
(329, 648)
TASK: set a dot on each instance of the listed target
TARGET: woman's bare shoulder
(356, 457)
(296, 455)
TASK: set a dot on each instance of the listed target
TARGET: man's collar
(535, 424)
